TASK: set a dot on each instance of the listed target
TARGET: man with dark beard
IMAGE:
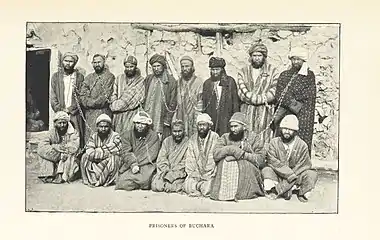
(296, 93)
(189, 95)
(65, 90)
(60, 150)
(100, 163)
(289, 164)
(161, 96)
(171, 161)
(138, 156)
(256, 88)
(239, 155)
(219, 95)
(96, 92)
(128, 94)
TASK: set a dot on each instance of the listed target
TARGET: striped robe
(239, 178)
(252, 93)
(100, 162)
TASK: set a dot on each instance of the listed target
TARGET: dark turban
(130, 59)
(216, 62)
(258, 47)
(72, 55)
(158, 58)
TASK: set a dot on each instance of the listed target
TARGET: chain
(164, 100)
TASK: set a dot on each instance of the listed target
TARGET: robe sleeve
(72, 145)
(128, 158)
(309, 89)
(269, 96)
(93, 152)
(220, 150)
(73, 109)
(151, 151)
(54, 102)
(242, 88)
(113, 147)
(256, 153)
(115, 89)
(191, 166)
(304, 162)
(46, 150)
(84, 92)
(234, 97)
(162, 159)
(172, 104)
(106, 89)
(276, 164)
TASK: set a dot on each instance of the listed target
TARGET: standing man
(239, 156)
(128, 94)
(171, 161)
(289, 164)
(189, 95)
(95, 93)
(65, 90)
(257, 87)
(61, 148)
(100, 162)
(220, 96)
(139, 153)
(296, 93)
(200, 164)
(161, 96)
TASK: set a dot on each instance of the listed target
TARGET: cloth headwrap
(158, 58)
(239, 117)
(72, 55)
(290, 122)
(258, 47)
(301, 53)
(204, 117)
(99, 55)
(142, 117)
(103, 118)
(187, 58)
(130, 59)
(216, 62)
(61, 116)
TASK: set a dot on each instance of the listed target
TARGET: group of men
(221, 138)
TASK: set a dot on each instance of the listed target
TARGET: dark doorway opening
(37, 83)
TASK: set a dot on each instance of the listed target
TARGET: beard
(287, 139)
(67, 69)
(296, 68)
(187, 74)
(236, 137)
(203, 134)
(141, 134)
(130, 73)
(62, 131)
(178, 139)
(103, 135)
(99, 69)
(257, 65)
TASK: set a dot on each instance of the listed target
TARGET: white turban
(300, 53)
(61, 116)
(204, 117)
(103, 118)
(142, 117)
(290, 122)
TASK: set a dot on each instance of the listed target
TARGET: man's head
(158, 63)
(298, 56)
(257, 55)
(187, 67)
(288, 128)
(216, 66)
(130, 65)
(204, 124)
(142, 123)
(103, 125)
(98, 63)
(178, 130)
(237, 126)
(61, 122)
(69, 61)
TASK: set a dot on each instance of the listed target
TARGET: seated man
(100, 162)
(138, 155)
(239, 154)
(289, 164)
(61, 149)
(171, 161)
(200, 165)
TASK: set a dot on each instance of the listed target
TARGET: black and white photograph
(156, 117)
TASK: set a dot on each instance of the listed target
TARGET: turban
(72, 55)
(103, 118)
(216, 62)
(299, 52)
(61, 115)
(178, 122)
(187, 58)
(158, 58)
(204, 117)
(290, 122)
(99, 55)
(258, 47)
(142, 117)
(130, 59)
(239, 117)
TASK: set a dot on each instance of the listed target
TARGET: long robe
(189, 99)
(229, 103)
(299, 100)
(239, 178)
(252, 93)
(128, 94)
(100, 162)
(95, 96)
(140, 152)
(55, 147)
(281, 166)
(170, 166)
(200, 165)
(57, 100)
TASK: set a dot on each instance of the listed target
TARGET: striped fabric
(229, 181)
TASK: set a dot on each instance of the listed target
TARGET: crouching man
(289, 164)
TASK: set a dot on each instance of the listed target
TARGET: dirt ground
(78, 197)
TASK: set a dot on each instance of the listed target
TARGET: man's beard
(141, 134)
(68, 70)
(203, 134)
(99, 69)
(236, 137)
(187, 74)
(130, 73)
(158, 73)
(257, 65)
(286, 140)
(62, 131)
(178, 140)
(296, 68)
(215, 78)
(103, 135)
